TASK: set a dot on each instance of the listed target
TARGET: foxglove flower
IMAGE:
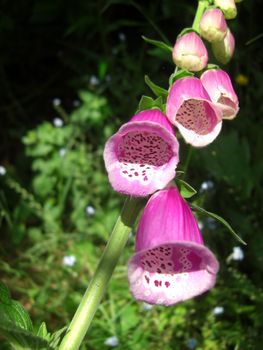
(190, 53)
(224, 50)
(142, 156)
(190, 108)
(213, 25)
(228, 7)
(219, 87)
(171, 263)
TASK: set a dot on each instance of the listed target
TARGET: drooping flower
(142, 156)
(224, 50)
(213, 25)
(228, 7)
(220, 89)
(171, 263)
(190, 53)
(190, 108)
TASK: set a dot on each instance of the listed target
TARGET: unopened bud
(213, 25)
(228, 7)
(224, 50)
(190, 53)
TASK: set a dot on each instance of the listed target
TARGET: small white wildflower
(237, 254)
(57, 122)
(147, 306)
(2, 170)
(207, 185)
(94, 80)
(76, 103)
(122, 37)
(218, 310)
(201, 225)
(90, 210)
(69, 260)
(56, 102)
(62, 152)
(112, 342)
(191, 343)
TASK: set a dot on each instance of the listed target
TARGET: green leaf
(157, 90)
(147, 102)
(220, 219)
(20, 338)
(159, 44)
(43, 332)
(56, 337)
(13, 311)
(186, 190)
(182, 73)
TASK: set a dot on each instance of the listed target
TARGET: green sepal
(218, 218)
(182, 73)
(147, 102)
(157, 90)
(159, 44)
(186, 190)
(186, 31)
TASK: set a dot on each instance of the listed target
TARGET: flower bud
(190, 53)
(224, 50)
(228, 7)
(213, 25)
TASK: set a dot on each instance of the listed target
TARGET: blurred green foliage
(55, 200)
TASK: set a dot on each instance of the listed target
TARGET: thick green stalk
(97, 287)
(202, 5)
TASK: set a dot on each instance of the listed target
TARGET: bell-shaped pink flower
(171, 263)
(213, 25)
(228, 7)
(142, 156)
(220, 89)
(190, 53)
(190, 108)
(224, 50)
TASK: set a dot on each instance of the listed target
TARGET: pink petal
(142, 156)
(171, 263)
(219, 87)
(190, 108)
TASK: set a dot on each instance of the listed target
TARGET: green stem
(97, 287)
(202, 5)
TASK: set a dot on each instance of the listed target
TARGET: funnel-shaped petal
(190, 108)
(171, 263)
(142, 156)
(220, 89)
(190, 53)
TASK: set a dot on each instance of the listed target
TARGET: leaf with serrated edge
(220, 219)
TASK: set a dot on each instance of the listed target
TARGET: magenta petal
(190, 108)
(142, 156)
(220, 89)
(171, 263)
